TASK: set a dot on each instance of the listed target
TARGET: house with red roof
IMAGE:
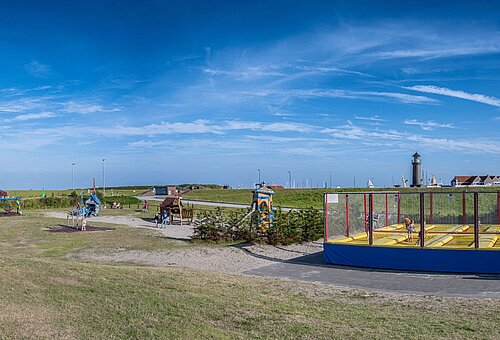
(475, 181)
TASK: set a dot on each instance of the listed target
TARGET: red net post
(476, 220)
(364, 211)
(399, 207)
(464, 214)
(430, 208)
(498, 207)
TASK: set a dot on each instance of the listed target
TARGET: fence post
(476, 220)
(422, 220)
(464, 216)
(364, 211)
(386, 209)
(325, 207)
(498, 207)
(370, 218)
(347, 215)
(399, 207)
(430, 211)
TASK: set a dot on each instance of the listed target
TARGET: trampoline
(455, 231)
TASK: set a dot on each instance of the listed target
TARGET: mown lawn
(294, 198)
(47, 294)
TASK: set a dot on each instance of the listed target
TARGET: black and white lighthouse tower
(417, 168)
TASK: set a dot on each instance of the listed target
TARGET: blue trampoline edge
(414, 259)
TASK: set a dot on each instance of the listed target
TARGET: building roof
(3, 193)
(171, 202)
(472, 179)
(416, 154)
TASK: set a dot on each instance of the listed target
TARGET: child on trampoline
(410, 227)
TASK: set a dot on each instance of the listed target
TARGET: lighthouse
(417, 166)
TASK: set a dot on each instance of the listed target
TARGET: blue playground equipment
(17, 202)
(92, 206)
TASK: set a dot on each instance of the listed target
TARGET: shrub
(120, 199)
(295, 226)
(47, 203)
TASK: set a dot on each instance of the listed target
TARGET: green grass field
(47, 292)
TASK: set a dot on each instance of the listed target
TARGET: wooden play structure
(176, 210)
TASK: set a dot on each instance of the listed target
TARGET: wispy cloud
(338, 93)
(85, 108)
(403, 139)
(31, 116)
(480, 98)
(37, 69)
(372, 118)
(429, 125)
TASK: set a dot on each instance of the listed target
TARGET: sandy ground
(234, 259)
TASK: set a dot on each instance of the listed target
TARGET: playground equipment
(92, 206)
(175, 209)
(9, 208)
(262, 203)
(455, 231)
(262, 211)
(83, 210)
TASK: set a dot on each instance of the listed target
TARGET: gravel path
(172, 231)
(234, 259)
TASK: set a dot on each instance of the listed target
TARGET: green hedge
(121, 199)
(48, 203)
(296, 226)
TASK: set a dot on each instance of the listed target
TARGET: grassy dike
(48, 292)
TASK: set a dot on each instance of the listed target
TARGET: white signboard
(332, 198)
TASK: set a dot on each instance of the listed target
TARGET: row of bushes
(295, 226)
(68, 201)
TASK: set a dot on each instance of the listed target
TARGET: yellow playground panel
(435, 236)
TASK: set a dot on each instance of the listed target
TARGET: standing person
(164, 220)
(410, 227)
(84, 223)
(157, 219)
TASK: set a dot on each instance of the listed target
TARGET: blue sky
(176, 91)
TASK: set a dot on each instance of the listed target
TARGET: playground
(139, 280)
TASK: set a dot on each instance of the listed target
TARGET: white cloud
(31, 116)
(404, 139)
(429, 125)
(372, 118)
(456, 93)
(37, 69)
(348, 94)
(261, 126)
(85, 108)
